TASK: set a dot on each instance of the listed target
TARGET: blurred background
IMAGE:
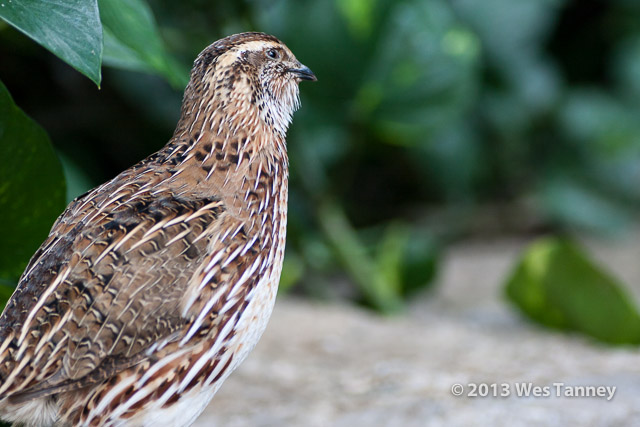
(459, 164)
(433, 122)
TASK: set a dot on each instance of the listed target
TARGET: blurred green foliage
(432, 120)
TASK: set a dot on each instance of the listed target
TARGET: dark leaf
(32, 187)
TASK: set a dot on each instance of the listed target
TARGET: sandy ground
(329, 365)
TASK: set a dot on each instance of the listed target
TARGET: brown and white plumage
(153, 287)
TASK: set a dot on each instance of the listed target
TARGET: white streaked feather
(205, 310)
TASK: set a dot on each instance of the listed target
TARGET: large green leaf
(32, 187)
(556, 285)
(132, 41)
(70, 29)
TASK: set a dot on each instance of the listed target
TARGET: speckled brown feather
(151, 288)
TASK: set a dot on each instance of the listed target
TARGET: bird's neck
(237, 155)
(240, 122)
(231, 144)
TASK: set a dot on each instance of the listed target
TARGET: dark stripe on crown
(221, 46)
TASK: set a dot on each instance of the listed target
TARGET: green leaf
(32, 187)
(132, 41)
(406, 259)
(377, 290)
(70, 29)
(556, 284)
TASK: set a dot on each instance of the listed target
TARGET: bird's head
(251, 75)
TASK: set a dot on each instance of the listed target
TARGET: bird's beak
(303, 73)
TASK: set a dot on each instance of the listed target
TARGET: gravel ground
(334, 365)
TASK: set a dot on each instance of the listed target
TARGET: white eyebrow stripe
(257, 45)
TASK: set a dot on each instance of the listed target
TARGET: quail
(153, 287)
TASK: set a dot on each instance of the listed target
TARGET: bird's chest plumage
(232, 340)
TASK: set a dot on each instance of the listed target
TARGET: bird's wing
(109, 282)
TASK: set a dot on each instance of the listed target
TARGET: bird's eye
(273, 54)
